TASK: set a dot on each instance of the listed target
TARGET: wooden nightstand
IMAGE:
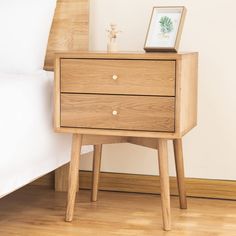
(140, 98)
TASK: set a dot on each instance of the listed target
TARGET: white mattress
(29, 148)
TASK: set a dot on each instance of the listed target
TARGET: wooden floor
(38, 211)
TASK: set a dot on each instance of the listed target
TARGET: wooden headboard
(70, 29)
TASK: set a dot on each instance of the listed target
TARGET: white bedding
(29, 148)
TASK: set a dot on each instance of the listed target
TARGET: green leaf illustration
(166, 24)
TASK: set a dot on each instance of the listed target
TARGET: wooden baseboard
(219, 189)
(150, 184)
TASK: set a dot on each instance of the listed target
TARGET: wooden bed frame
(70, 29)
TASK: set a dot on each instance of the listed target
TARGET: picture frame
(165, 29)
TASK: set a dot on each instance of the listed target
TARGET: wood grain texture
(96, 171)
(145, 142)
(61, 178)
(185, 103)
(204, 188)
(83, 113)
(135, 55)
(164, 183)
(46, 180)
(186, 93)
(179, 163)
(39, 212)
(133, 112)
(124, 133)
(142, 77)
(57, 97)
(73, 180)
(102, 139)
(69, 30)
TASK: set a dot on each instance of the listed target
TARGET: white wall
(210, 29)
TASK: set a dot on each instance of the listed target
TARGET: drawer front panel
(118, 112)
(134, 77)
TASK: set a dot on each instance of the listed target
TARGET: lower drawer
(118, 112)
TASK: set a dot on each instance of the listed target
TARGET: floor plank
(39, 211)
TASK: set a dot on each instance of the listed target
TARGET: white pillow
(24, 32)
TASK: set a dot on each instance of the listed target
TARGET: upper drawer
(143, 77)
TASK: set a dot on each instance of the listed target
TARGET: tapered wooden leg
(96, 171)
(164, 183)
(179, 163)
(73, 180)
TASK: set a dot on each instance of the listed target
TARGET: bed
(29, 147)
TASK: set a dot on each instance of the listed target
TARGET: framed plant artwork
(165, 29)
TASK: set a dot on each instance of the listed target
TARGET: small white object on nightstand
(112, 38)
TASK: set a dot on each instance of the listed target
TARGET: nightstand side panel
(187, 92)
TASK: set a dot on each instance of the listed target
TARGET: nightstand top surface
(124, 55)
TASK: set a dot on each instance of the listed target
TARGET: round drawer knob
(114, 77)
(114, 113)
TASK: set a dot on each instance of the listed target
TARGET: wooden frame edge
(57, 85)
